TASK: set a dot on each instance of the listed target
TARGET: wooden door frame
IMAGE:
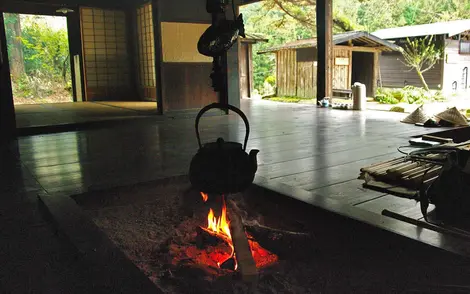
(75, 48)
(157, 39)
(7, 108)
(50, 10)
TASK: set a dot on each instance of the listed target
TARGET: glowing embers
(219, 227)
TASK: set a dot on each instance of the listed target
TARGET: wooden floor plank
(392, 203)
(327, 176)
(350, 192)
(303, 146)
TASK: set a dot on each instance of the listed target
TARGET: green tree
(421, 54)
(15, 47)
(282, 21)
(46, 50)
(373, 15)
(278, 28)
(45, 65)
(303, 11)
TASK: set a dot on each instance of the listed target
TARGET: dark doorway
(363, 70)
(7, 112)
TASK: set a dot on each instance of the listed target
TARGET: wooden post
(157, 39)
(131, 34)
(250, 70)
(325, 48)
(350, 69)
(232, 72)
(7, 109)
(75, 49)
(375, 75)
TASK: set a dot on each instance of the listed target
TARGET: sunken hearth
(179, 239)
(182, 239)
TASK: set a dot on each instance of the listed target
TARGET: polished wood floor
(315, 149)
(319, 150)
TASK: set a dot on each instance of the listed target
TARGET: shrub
(39, 85)
(397, 94)
(409, 94)
(291, 99)
(271, 80)
(397, 109)
(386, 96)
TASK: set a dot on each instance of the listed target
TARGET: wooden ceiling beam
(49, 7)
(245, 2)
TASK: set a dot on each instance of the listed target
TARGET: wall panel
(187, 85)
(179, 42)
(394, 73)
(341, 72)
(455, 68)
(105, 53)
(286, 73)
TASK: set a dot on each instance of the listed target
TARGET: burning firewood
(243, 254)
(226, 224)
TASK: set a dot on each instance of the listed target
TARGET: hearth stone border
(112, 270)
(373, 220)
(115, 272)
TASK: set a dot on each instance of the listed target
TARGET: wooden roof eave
(253, 41)
(353, 48)
(364, 39)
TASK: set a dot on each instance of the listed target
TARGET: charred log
(281, 242)
(204, 239)
(229, 264)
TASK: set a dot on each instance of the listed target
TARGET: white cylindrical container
(359, 96)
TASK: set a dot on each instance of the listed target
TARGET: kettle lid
(221, 144)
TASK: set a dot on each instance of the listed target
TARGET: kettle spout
(253, 160)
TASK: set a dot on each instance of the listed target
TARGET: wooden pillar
(7, 109)
(231, 63)
(325, 48)
(250, 70)
(75, 49)
(157, 38)
(375, 74)
(132, 48)
(350, 69)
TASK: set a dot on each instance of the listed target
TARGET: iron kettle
(223, 167)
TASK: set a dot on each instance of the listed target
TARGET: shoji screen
(146, 52)
(105, 52)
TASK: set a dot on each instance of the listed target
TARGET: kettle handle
(223, 106)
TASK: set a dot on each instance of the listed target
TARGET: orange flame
(220, 226)
(205, 197)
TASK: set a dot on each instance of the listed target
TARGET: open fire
(220, 228)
